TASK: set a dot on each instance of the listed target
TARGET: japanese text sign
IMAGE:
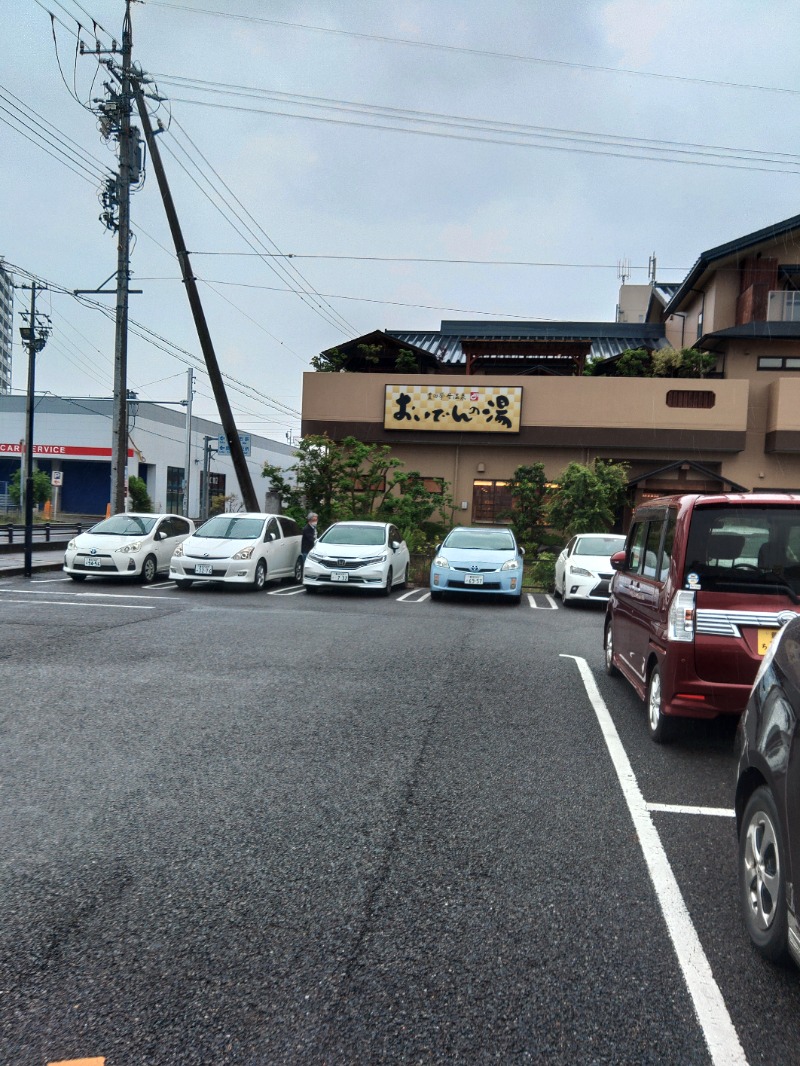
(453, 408)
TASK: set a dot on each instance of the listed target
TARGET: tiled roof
(607, 338)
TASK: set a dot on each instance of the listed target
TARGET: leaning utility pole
(249, 497)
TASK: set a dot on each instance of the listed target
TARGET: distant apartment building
(6, 328)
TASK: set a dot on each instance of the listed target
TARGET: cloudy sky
(419, 160)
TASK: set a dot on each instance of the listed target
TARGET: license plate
(473, 579)
(340, 575)
(92, 562)
(765, 638)
(203, 568)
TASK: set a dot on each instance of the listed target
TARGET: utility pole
(115, 120)
(35, 336)
(119, 425)
(249, 497)
(187, 459)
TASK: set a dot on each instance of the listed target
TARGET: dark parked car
(768, 801)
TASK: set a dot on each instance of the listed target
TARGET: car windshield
(750, 548)
(370, 535)
(125, 525)
(231, 527)
(490, 540)
(599, 545)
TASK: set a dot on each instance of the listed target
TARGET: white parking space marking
(709, 812)
(92, 595)
(715, 1022)
(50, 580)
(414, 596)
(76, 603)
(551, 603)
(292, 590)
(163, 585)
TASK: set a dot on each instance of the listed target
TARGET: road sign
(57, 477)
(222, 444)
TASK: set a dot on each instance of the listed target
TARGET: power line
(480, 52)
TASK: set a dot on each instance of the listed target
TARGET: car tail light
(680, 622)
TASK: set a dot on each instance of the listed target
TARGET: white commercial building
(72, 440)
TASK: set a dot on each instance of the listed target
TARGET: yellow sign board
(453, 408)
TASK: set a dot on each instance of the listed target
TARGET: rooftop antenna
(651, 268)
(623, 269)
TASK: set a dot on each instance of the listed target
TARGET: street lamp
(34, 335)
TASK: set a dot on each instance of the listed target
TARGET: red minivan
(703, 585)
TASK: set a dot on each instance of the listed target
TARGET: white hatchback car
(127, 545)
(240, 549)
(583, 569)
(358, 554)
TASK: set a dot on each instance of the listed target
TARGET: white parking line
(710, 812)
(76, 603)
(715, 1022)
(420, 595)
(92, 595)
(49, 580)
(553, 606)
(292, 590)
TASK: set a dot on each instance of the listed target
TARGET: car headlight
(314, 556)
(510, 564)
(128, 549)
(245, 553)
(73, 544)
(441, 561)
(578, 571)
(178, 551)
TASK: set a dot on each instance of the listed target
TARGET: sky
(342, 166)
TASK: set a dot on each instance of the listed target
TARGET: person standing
(309, 537)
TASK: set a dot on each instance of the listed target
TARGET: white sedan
(247, 548)
(360, 555)
(583, 569)
(127, 545)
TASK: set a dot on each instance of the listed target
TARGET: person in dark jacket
(309, 535)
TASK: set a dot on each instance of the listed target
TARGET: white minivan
(239, 549)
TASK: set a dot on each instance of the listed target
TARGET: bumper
(359, 577)
(106, 565)
(687, 695)
(595, 589)
(231, 571)
(496, 582)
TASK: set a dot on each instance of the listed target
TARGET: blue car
(479, 559)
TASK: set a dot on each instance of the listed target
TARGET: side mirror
(160, 535)
(618, 560)
(395, 545)
(520, 549)
(437, 549)
(270, 535)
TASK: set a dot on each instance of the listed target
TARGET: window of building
(490, 500)
(690, 398)
(778, 362)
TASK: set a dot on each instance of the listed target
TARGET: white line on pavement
(711, 812)
(292, 590)
(76, 603)
(419, 594)
(92, 595)
(553, 606)
(715, 1022)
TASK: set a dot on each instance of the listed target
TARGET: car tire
(437, 594)
(149, 570)
(762, 884)
(298, 570)
(608, 647)
(564, 597)
(660, 727)
(387, 588)
(516, 600)
(404, 582)
(311, 589)
(183, 585)
(260, 576)
(78, 577)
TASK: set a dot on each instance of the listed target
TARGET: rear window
(745, 548)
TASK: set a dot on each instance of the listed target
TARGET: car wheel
(298, 570)
(437, 594)
(556, 589)
(762, 886)
(311, 589)
(660, 728)
(564, 597)
(516, 600)
(387, 588)
(78, 577)
(404, 582)
(260, 576)
(149, 570)
(183, 584)
(608, 644)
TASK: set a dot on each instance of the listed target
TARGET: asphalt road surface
(246, 828)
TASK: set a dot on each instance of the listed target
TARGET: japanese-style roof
(698, 467)
(604, 339)
(741, 244)
(786, 331)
